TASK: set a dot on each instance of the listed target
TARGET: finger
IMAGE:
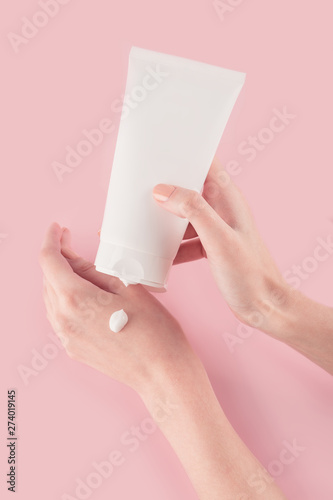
(55, 268)
(86, 269)
(190, 232)
(66, 238)
(49, 291)
(211, 229)
(189, 251)
(50, 300)
(57, 328)
(46, 296)
(53, 308)
(224, 196)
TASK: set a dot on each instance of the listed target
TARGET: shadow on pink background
(63, 80)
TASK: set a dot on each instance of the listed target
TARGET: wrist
(275, 310)
(171, 383)
(305, 325)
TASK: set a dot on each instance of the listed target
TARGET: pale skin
(222, 229)
(152, 355)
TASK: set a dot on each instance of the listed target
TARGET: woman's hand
(222, 229)
(79, 302)
(152, 356)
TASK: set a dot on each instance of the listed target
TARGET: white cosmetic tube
(173, 116)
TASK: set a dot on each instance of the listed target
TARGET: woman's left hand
(79, 302)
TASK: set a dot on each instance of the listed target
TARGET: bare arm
(151, 355)
(216, 460)
(305, 325)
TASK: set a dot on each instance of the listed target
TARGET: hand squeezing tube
(174, 113)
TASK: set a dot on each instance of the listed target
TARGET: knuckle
(45, 253)
(69, 300)
(191, 204)
(212, 190)
(67, 328)
(223, 178)
(61, 321)
(105, 298)
(84, 266)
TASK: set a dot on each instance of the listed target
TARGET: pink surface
(64, 80)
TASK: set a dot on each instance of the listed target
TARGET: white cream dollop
(118, 320)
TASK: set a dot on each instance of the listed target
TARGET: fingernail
(162, 192)
(69, 253)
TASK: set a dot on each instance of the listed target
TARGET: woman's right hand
(221, 228)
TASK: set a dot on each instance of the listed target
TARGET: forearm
(303, 324)
(216, 460)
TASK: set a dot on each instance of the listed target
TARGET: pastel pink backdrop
(63, 81)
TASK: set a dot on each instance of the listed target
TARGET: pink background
(63, 81)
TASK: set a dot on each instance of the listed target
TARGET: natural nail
(162, 192)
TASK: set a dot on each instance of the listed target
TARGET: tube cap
(132, 266)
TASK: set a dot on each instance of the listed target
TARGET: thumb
(86, 269)
(190, 205)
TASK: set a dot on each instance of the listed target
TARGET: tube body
(174, 113)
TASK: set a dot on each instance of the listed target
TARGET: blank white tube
(174, 113)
